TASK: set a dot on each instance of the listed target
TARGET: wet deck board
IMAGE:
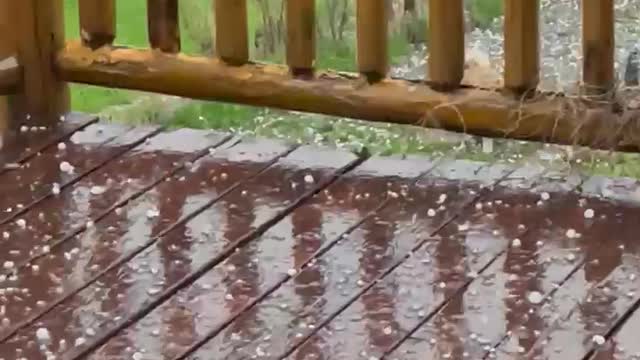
(199, 245)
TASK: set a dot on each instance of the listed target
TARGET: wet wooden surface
(138, 243)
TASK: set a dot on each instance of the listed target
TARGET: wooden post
(301, 39)
(446, 43)
(7, 48)
(97, 22)
(372, 29)
(231, 31)
(39, 29)
(521, 45)
(164, 25)
(598, 41)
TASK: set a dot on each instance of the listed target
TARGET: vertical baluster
(598, 41)
(164, 25)
(521, 45)
(446, 43)
(7, 48)
(97, 22)
(39, 30)
(301, 44)
(372, 29)
(231, 32)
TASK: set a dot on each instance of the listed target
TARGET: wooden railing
(46, 62)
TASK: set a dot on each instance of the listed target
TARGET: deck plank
(625, 344)
(417, 288)
(136, 282)
(86, 151)
(287, 245)
(368, 248)
(89, 200)
(17, 147)
(198, 245)
(128, 229)
(595, 295)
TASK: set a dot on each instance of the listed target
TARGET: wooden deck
(137, 243)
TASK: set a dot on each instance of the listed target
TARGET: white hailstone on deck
(97, 190)
(292, 272)
(24, 128)
(55, 189)
(65, 167)
(137, 356)
(431, 213)
(21, 223)
(442, 198)
(598, 340)
(589, 214)
(62, 146)
(43, 336)
(393, 194)
(516, 243)
(571, 257)
(90, 332)
(46, 249)
(535, 297)
(90, 224)
(5, 235)
(309, 179)
(571, 233)
(545, 196)
(632, 277)
(153, 213)
(9, 265)
(478, 206)
(387, 330)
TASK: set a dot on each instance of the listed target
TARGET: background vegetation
(336, 50)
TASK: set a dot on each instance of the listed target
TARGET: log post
(231, 31)
(521, 45)
(7, 48)
(446, 43)
(97, 22)
(598, 41)
(39, 30)
(372, 28)
(301, 37)
(164, 25)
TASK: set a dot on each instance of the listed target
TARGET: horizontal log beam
(10, 76)
(548, 118)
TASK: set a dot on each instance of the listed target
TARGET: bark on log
(475, 111)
